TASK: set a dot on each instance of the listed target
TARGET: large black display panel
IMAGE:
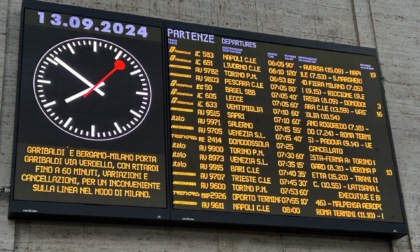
(130, 118)
(277, 132)
(90, 115)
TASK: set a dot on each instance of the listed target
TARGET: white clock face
(92, 89)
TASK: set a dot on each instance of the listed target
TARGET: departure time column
(283, 75)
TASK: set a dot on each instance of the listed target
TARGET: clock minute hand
(79, 76)
(118, 65)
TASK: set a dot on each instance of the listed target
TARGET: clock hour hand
(81, 93)
(79, 76)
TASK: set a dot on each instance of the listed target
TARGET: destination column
(248, 148)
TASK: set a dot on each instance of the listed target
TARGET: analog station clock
(92, 89)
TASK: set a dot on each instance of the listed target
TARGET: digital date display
(89, 24)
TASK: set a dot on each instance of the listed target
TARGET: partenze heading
(189, 35)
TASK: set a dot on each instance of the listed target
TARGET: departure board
(128, 118)
(266, 128)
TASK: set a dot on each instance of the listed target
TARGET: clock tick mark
(92, 129)
(135, 113)
(71, 49)
(118, 55)
(141, 93)
(67, 122)
(49, 104)
(135, 72)
(118, 127)
(44, 81)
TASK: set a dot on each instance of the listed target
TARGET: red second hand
(118, 65)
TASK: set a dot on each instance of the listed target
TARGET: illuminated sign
(134, 118)
(90, 115)
(277, 129)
